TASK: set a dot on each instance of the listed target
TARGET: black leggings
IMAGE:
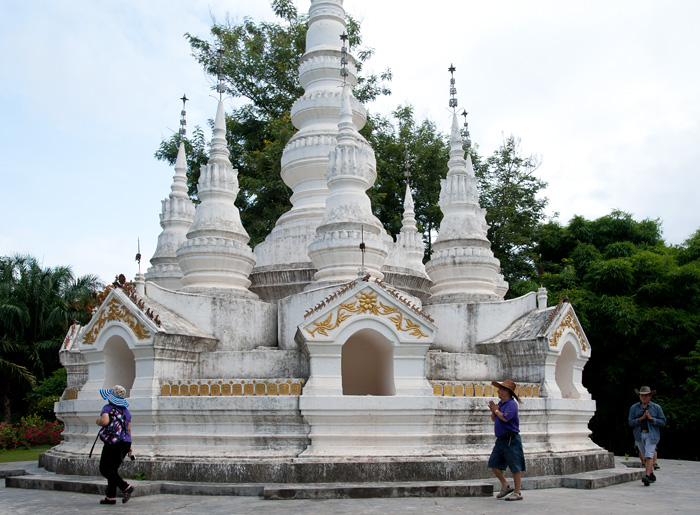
(110, 461)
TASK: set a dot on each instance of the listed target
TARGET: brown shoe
(128, 493)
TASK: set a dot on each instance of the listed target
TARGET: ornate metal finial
(344, 58)
(453, 90)
(407, 164)
(183, 121)
(138, 253)
(220, 88)
(467, 137)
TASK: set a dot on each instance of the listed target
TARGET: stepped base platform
(299, 470)
(33, 477)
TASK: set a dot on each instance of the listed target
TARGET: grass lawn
(31, 454)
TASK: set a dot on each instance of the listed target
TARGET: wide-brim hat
(508, 385)
(645, 390)
(115, 396)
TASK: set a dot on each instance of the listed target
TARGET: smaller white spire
(409, 215)
(179, 187)
(219, 149)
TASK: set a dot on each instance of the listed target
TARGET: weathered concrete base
(328, 470)
(42, 480)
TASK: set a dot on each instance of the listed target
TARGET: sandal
(108, 501)
(127, 494)
(514, 497)
(505, 490)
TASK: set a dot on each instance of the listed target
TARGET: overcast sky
(606, 92)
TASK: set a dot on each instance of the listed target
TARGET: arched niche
(120, 365)
(564, 372)
(367, 364)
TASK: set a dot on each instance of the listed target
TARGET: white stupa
(284, 364)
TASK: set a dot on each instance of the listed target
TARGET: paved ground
(676, 491)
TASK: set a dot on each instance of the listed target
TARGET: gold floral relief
(569, 321)
(115, 311)
(366, 303)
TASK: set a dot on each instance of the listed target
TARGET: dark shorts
(508, 453)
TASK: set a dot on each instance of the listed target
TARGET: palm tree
(37, 306)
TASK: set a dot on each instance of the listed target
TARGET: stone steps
(39, 479)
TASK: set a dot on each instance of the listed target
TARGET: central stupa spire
(324, 68)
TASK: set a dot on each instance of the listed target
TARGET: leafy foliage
(425, 150)
(37, 306)
(510, 192)
(639, 303)
(31, 430)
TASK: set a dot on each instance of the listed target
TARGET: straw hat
(115, 396)
(508, 385)
(645, 390)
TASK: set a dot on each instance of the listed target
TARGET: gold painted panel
(215, 390)
(204, 390)
(237, 389)
(260, 389)
(194, 390)
(284, 389)
(488, 391)
(478, 390)
(296, 389)
(528, 390)
(115, 311)
(165, 390)
(272, 389)
(248, 389)
(469, 390)
(448, 390)
(459, 390)
(367, 304)
(437, 389)
(569, 321)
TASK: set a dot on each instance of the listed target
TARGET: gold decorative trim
(366, 303)
(232, 387)
(478, 389)
(115, 311)
(71, 394)
(569, 321)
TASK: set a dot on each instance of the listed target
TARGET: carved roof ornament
(370, 298)
(565, 320)
(113, 310)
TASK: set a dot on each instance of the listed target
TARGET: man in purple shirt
(508, 451)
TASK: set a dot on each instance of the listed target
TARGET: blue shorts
(646, 448)
(508, 452)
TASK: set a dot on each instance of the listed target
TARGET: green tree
(639, 303)
(511, 193)
(402, 144)
(37, 306)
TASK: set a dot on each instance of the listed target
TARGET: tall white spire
(176, 216)
(216, 254)
(348, 220)
(305, 159)
(462, 262)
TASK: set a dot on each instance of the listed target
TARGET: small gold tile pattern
(231, 387)
(478, 389)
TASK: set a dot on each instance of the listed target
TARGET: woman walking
(116, 435)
